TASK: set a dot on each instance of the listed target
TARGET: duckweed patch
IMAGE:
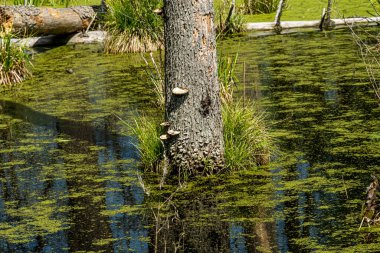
(79, 190)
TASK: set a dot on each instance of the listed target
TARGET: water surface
(68, 167)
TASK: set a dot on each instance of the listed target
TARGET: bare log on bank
(30, 20)
(58, 40)
(265, 26)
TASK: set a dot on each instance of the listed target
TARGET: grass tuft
(13, 62)
(227, 78)
(30, 2)
(123, 42)
(260, 6)
(133, 26)
(147, 130)
(246, 140)
(229, 19)
(52, 3)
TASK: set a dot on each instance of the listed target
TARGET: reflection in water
(127, 229)
(237, 240)
(68, 173)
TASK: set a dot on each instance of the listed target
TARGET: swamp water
(69, 180)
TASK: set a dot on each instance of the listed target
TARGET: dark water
(69, 180)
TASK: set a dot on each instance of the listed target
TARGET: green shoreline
(296, 10)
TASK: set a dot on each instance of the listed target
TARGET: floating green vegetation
(323, 116)
(133, 26)
(40, 218)
(121, 210)
(325, 124)
(216, 207)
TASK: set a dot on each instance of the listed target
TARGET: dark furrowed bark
(190, 64)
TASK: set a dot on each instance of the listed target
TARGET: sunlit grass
(133, 26)
(311, 10)
(125, 42)
(147, 130)
(247, 142)
(295, 10)
(51, 3)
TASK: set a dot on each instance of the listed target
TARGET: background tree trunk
(277, 19)
(103, 6)
(328, 22)
(43, 21)
(190, 64)
(248, 4)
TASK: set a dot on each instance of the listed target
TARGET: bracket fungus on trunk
(180, 91)
(164, 137)
(173, 132)
(165, 124)
(159, 11)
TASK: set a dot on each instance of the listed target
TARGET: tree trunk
(191, 68)
(103, 6)
(227, 23)
(328, 22)
(277, 19)
(249, 6)
(42, 21)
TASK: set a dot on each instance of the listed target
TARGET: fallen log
(265, 26)
(59, 40)
(29, 20)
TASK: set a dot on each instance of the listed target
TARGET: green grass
(246, 140)
(14, 62)
(147, 130)
(29, 2)
(296, 9)
(133, 26)
(311, 10)
(54, 3)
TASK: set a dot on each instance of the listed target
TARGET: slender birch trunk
(277, 19)
(103, 6)
(328, 22)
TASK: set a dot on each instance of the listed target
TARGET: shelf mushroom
(180, 91)
(173, 132)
